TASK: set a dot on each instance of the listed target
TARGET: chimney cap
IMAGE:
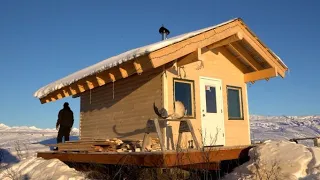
(164, 30)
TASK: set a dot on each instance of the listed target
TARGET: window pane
(211, 99)
(234, 108)
(183, 93)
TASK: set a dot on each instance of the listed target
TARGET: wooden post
(186, 126)
(193, 134)
(179, 141)
(153, 125)
(156, 123)
(145, 138)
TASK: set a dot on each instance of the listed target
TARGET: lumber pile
(108, 145)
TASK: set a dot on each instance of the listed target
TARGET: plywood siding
(215, 65)
(120, 110)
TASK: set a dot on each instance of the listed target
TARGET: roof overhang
(233, 38)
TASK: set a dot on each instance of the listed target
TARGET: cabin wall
(215, 65)
(121, 110)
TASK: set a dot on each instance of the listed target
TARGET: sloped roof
(124, 57)
(117, 60)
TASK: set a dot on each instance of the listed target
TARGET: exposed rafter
(99, 79)
(245, 56)
(234, 38)
(257, 46)
(233, 59)
(137, 66)
(124, 72)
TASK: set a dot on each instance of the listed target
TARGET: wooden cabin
(208, 70)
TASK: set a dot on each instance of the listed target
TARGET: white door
(212, 117)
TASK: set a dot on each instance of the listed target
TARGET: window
(211, 99)
(184, 92)
(235, 107)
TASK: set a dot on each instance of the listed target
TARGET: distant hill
(5, 128)
(284, 127)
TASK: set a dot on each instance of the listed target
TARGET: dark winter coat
(65, 117)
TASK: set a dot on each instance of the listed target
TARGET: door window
(211, 99)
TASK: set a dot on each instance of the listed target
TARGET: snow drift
(280, 160)
(38, 168)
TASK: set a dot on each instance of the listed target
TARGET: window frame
(193, 100)
(240, 99)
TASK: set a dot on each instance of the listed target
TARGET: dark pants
(63, 132)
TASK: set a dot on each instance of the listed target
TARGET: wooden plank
(258, 75)
(202, 166)
(195, 157)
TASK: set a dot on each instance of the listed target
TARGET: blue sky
(42, 41)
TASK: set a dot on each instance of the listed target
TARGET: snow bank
(280, 160)
(38, 168)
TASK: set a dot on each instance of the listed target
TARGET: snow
(284, 127)
(2, 126)
(116, 60)
(279, 58)
(18, 147)
(30, 129)
(28, 140)
(38, 168)
(277, 156)
(281, 160)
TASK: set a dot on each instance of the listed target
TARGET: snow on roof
(116, 60)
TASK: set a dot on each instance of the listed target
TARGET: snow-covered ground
(25, 141)
(40, 169)
(284, 127)
(18, 147)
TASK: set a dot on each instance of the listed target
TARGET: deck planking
(152, 159)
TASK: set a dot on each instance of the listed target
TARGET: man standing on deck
(64, 123)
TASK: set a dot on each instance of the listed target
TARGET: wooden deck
(153, 159)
